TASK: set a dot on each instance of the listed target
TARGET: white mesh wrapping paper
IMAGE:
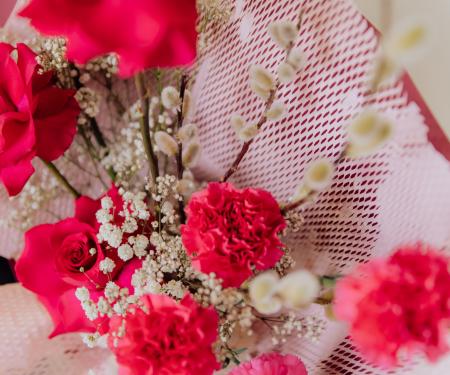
(375, 203)
(25, 349)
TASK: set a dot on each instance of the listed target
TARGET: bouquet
(176, 271)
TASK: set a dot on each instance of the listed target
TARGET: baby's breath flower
(125, 252)
(88, 100)
(82, 294)
(90, 340)
(111, 290)
(107, 265)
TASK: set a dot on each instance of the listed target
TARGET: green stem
(145, 127)
(61, 179)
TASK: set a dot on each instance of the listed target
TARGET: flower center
(75, 255)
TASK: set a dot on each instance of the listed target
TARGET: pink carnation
(229, 231)
(143, 33)
(401, 304)
(167, 338)
(272, 364)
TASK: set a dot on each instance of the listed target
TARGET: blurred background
(432, 72)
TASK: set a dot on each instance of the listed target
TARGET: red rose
(57, 259)
(37, 119)
(168, 338)
(229, 231)
(398, 305)
(143, 33)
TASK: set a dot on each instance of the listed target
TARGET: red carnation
(53, 256)
(37, 119)
(166, 337)
(229, 231)
(143, 33)
(398, 305)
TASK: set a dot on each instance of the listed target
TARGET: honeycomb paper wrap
(399, 195)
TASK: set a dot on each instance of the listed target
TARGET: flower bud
(276, 111)
(269, 307)
(319, 175)
(248, 132)
(405, 42)
(263, 286)
(263, 94)
(187, 133)
(299, 289)
(187, 174)
(368, 133)
(170, 97)
(166, 144)
(286, 73)
(191, 154)
(185, 187)
(404, 45)
(262, 81)
(283, 33)
(237, 122)
(187, 103)
(295, 58)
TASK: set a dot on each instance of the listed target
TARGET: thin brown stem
(61, 178)
(115, 98)
(78, 165)
(263, 119)
(180, 167)
(293, 205)
(145, 127)
(246, 145)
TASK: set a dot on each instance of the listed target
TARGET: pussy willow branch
(293, 205)
(263, 119)
(247, 144)
(180, 119)
(145, 126)
(61, 179)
